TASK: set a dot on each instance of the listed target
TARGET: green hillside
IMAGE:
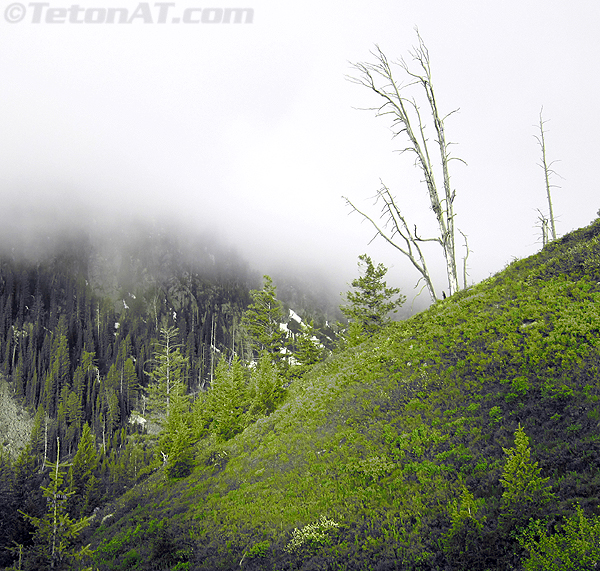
(409, 451)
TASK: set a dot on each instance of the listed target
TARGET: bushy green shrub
(575, 546)
(462, 542)
(130, 560)
(258, 550)
(525, 491)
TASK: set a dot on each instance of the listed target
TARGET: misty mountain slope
(393, 455)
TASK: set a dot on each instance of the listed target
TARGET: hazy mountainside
(432, 446)
(80, 316)
(112, 296)
(458, 439)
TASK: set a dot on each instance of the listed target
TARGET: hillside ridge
(453, 440)
(369, 461)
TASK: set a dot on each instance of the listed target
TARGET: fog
(250, 132)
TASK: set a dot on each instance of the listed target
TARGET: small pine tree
(371, 303)
(262, 320)
(463, 541)
(56, 532)
(229, 399)
(266, 387)
(524, 488)
(167, 375)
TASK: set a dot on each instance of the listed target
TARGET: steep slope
(391, 455)
(80, 314)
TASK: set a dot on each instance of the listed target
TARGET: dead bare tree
(408, 120)
(548, 173)
(467, 252)
(395, 227)
(543, 226)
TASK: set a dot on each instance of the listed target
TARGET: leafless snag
(543, 226)
(548, 173)
(467, 251)
(397, 233)
(407, 121)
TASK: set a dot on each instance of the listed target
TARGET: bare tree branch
(467, 252)
(543, 220)
(408, 121)
(400, 229)
(548, 173)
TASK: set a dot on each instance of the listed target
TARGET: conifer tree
(167, 374)
(25, 494)
(128, 385)
(56, 531)
(7, 487)
(38, 434)
(525, 491)
(79, 385)
(266, 388)
(111, 400)
(371, 303)
(202, 413)
(308, 349)
(262, 320)
(82, 481)
(229, 399)
(169, 403)
(58, 375)
(463, 541)
(177, 438)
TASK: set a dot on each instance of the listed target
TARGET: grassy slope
(383, 439)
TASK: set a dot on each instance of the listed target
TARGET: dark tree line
(77, 359)
(79, 331)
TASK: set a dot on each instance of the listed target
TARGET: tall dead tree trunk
(548, 173)
(408, 121)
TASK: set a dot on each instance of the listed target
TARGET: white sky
(250, 128)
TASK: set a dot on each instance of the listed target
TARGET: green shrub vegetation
(464, 438)
(451, 440)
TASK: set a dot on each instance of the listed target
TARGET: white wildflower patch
(312, 535)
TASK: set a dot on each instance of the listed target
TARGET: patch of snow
(137, 419)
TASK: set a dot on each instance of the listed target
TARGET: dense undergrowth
(390, 455)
